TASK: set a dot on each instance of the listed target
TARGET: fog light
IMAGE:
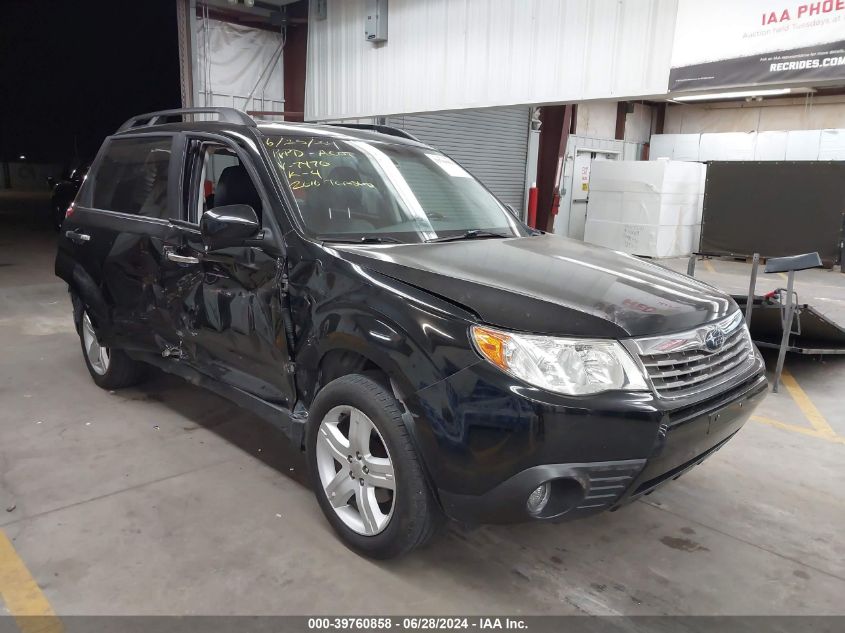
(538, 499)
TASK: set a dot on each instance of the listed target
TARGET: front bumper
(639, 446)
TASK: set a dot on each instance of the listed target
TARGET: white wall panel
(770, 146)
(662, 146)
(770, 115)
(457, 54)
(687, 147)
(736, 145)
(596, 120)
(783, 145)
(803, 144)
(832, 145)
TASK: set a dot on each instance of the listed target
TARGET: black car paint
(552, 285)
(268, 323)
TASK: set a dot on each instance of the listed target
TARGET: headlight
(571, 366)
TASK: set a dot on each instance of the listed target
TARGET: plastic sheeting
(233, 61)
(650, 208)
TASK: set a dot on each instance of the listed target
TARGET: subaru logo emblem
(714, 339)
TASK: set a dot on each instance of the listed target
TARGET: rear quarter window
(132, 177)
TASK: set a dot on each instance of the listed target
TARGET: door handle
(173, 256)
(79, 238)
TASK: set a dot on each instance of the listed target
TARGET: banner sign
(730, 43)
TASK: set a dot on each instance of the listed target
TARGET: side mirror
(230, 225)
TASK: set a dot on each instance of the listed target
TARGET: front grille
(680, 365)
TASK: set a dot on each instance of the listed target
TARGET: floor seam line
(111, 494)
(741, 540)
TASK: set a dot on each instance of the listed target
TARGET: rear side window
(132, 177)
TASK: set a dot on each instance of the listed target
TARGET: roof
(232, 119)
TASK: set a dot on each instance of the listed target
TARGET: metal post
(691, 266)
(787, 328)
(752, 287)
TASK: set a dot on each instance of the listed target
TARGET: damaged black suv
(431, 354)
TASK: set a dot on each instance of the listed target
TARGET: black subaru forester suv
(430, 353)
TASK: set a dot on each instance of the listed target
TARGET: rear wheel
(110, 368)
(365, 471)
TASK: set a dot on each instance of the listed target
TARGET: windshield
(359, 190)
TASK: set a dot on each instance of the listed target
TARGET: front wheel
(365, 471)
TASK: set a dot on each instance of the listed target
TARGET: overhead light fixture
(741, 94)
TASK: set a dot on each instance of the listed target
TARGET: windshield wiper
(473, 234)
(367, 239)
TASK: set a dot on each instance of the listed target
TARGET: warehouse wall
(597, 120)
(455, 54)
(804, 113)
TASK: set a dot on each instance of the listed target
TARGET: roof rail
(383, 129)
(228, 115)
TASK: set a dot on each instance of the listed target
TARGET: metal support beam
(295, 60)
(554, 134)
(752, 288)
(788, 314)
(621, 117)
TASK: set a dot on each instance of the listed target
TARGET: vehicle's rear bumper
(684, 440)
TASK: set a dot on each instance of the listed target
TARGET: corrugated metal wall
(454, 54)
(491, 144)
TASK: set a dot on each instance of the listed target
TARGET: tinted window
(358, 188)
(132, 177)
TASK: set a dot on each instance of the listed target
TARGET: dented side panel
(412, 336)
(224, 315)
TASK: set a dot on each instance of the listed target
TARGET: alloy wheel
(355, 470)
(98, 355)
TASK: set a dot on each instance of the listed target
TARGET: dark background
(71, 71)
(774, 208)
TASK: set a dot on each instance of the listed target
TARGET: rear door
(224, 306)
(116, 232)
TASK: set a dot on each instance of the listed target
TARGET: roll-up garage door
(492, 144)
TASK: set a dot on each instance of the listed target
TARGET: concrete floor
(166, 499)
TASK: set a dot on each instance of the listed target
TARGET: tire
(393, 522)
(109, 368)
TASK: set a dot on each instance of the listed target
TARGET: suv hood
(549, 284)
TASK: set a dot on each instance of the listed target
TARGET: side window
(132, 177)
(222, 180)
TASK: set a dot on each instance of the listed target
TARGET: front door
(222, 308)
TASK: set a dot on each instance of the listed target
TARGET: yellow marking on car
(22, 596)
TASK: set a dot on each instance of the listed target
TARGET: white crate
(643, 239)
(660, 209)
(647, 176)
